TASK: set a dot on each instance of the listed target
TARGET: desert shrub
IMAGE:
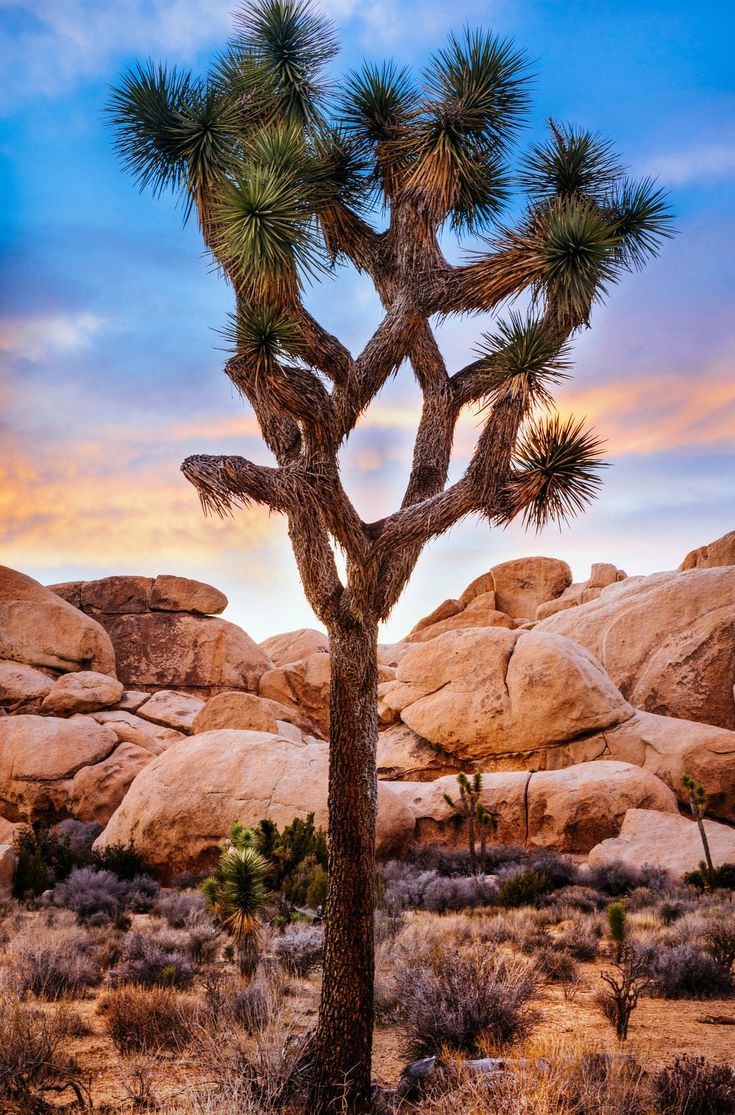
(558, 869)
(557, 966)
(670, 911)
(465, 999)
(580, 940)
(78, 838)
(33, 1053)
(141, 894)
(122, 860)
(688, 972)
(316, 887)
(202, 943)
(181, 910)
(89, 892)
(522, 888)
(152, 960)
(144, 1020)
(456, 861)
(719, 940)
(459, 893)
(615, 878)
(572, 900)
(299, 948)
(694, 1086)
(55, 965)
(252, 1005)
(293, 855)
(722, 878)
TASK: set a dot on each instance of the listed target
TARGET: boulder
(301, 685)
(96, 791)
(132, 699)
(21, 683)
(170, 650)
(180, 594)
(8, 860)
(666, 641)
(671, 748)
(521, 585)
(39, 756)
(714, 554)
(181, 806)
(405, 756)
(569, 810)
(38, 628)
(172, 710)
(481, 586)
(243, 711)
(11, 830)
(85, 691)
(390, 654)
(480, 612)
(445, 610)
(488, 694)
(666, 840)
(129, 728)
(293, 646)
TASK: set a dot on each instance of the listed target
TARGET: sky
(111, 356)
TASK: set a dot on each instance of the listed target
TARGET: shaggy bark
(346, 1016)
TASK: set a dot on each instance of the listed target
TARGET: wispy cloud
(695, 163)
(47, 47)
(33, 338)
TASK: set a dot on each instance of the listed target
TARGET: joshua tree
(698, 806)
(473, 812)
(283, 180)
(616, 923)
(236, 894)
(624, 986)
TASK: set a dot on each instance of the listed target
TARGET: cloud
(697, 163)
(47, 47)
(33, 338)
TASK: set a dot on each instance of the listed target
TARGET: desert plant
(285, 188)
(145, 1020)
(470, 809)
(523, 888)
(719, 940)
(617, 928)
(152, 960)
(688, 972)
(625, 984)
(55, 965)
(615, 878)
(465, 999)
(122, 860)
(722, 877)
(91, 892)
(141, 894)
(181, 910)
(694, 1086)
(34, 1057)
(557, 965)
(698, 806)
(299, 948)
(235, 894)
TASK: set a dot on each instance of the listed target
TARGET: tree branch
(225, 482)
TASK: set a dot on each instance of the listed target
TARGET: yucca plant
(698, 806)
(236, 894)
(285, 172)
(475, 816)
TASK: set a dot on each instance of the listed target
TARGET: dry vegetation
(126, 997)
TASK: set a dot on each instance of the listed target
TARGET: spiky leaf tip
(572, 161)
(556, 475)
(260, 335)
(524, 357)
(642, 219)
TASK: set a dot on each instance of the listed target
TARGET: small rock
(181, 594)
(86, 691)
(19, 682)
(8, 860)
(172, 710)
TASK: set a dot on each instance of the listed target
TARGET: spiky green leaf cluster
(525, 358)
(235, 892)
(262, 335)
(557, 471)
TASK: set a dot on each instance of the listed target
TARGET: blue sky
(111, 360)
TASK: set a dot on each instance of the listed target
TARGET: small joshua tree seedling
(625, 984)
(698, 806)
(466, 807)
(235, 893)
(616, 924)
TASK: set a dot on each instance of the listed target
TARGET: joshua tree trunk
(471, 840)
(344, 1038)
